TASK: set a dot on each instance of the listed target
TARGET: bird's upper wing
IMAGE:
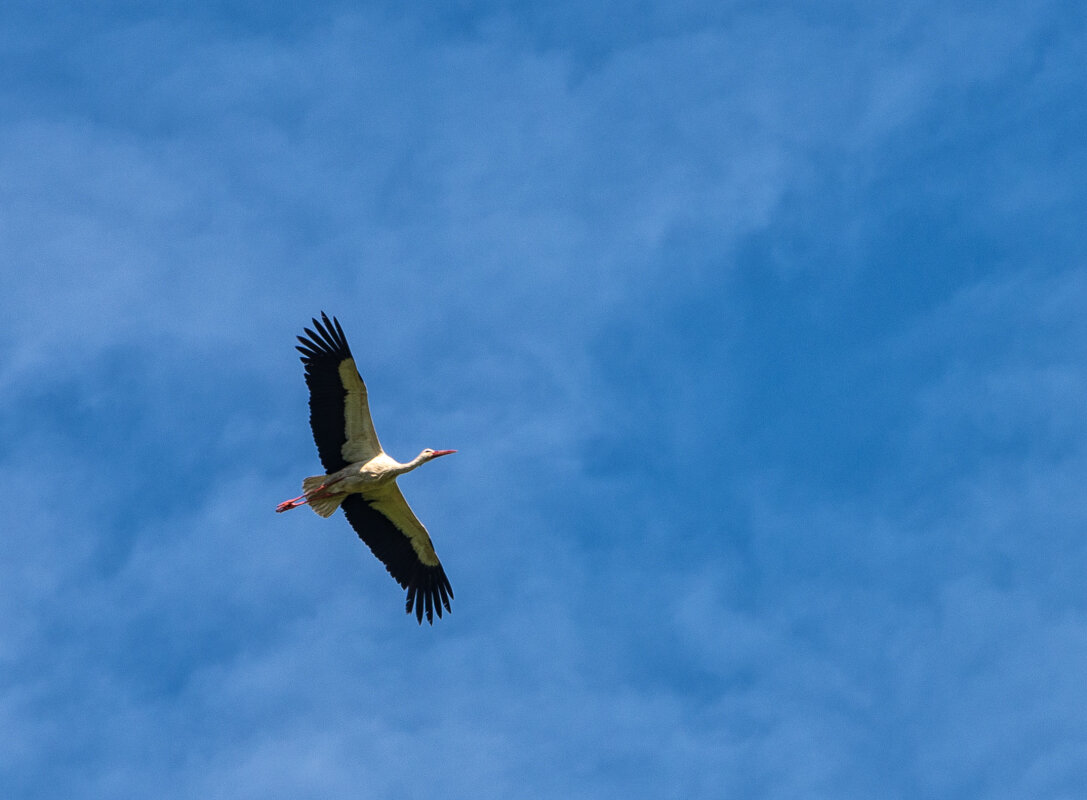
(339, 412)
(387, 524)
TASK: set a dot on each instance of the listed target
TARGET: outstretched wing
(339, 412)
(395, 535)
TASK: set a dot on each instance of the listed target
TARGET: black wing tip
(325, 338)
(428, 592)
(331, 329)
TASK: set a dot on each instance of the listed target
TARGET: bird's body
(361, 477)
(368, 475)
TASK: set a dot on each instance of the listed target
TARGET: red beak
(442, 453)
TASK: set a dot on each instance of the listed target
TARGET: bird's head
(429, 454)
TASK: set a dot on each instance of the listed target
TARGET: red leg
(301, 500)
(287, 505)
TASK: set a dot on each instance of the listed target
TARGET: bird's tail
(325, 505)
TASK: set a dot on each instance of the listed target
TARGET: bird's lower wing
(400, 541)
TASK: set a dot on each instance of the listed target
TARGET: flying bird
(360, 477)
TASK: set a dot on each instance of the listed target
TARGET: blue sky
(759, 329)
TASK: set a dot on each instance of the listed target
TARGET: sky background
(759, 328)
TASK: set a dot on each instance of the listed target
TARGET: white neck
(418, 461)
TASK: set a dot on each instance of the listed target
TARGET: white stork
(361, 477)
